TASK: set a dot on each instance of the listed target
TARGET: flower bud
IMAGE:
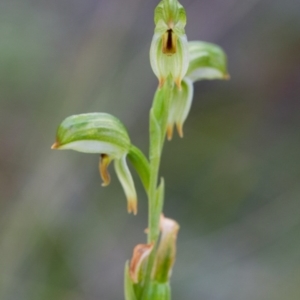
(169, 48)
(166, 253)
(103, 134)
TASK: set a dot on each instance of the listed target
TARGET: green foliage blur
(232, 183)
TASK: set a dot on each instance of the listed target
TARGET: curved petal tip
(179, 129)
(55, 145)
(170, 132)
(227, 76)
(132, 205)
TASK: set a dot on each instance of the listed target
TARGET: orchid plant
(177, 64)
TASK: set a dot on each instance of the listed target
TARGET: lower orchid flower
(103, 134)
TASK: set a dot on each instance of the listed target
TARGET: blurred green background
(232, 183)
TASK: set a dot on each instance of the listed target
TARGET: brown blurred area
(232, 183)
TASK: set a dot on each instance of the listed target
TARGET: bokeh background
(232, 183)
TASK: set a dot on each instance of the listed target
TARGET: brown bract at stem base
(140, 253)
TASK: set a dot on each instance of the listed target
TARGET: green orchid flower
(104, 134)
(207, 61)
(169, 48)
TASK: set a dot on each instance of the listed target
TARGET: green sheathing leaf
(157, 291)
(128, 284)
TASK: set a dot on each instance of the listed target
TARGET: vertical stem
(158, 126)
(158, 119)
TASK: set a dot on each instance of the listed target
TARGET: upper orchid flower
(169, 53)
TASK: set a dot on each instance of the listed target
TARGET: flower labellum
(169, 48)
(104, 161)
(103, 134)
(126, 180)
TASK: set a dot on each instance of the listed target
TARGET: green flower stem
(158, 126)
